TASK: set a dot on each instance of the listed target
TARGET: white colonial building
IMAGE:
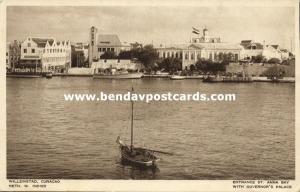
(57, 55)
(45, 54)
(253, 49)
(205, 47)
(274, 51)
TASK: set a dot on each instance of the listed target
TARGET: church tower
(93, 45)
(205, 35)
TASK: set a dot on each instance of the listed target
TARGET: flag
(196, 31)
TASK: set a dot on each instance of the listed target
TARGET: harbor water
(250, 138)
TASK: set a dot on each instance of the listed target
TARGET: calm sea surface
(47, 137)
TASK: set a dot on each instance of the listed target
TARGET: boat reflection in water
(126, 169)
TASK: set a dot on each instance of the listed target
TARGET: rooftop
(41, 42)
(109, 40)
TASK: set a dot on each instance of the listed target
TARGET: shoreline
(255, 79)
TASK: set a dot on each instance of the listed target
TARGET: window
(6, 54)
(99, 49)
(112, 49)
(186, 56)
(192, 55)
(29, 45)
(25, 51)
(104, 49)
(236, 57)
(32, 51)
(199, 56)
(118, 60)
(164, 55)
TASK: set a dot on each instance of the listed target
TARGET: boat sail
(136, 155)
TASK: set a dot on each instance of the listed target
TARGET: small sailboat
(138, 156)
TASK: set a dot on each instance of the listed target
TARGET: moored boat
(212, 79)
(118, 76)
(24, 74)
(48, 75)
(114, 74)
(177, 77)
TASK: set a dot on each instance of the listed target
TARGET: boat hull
(137, 156)
(177, 77)
(119, 76)
(133, 161)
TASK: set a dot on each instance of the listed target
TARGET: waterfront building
(251, 49)
(79, 55)
(44, 54)
(57, 56)
(13, 53)
(274, 51)
(8, 66)
(204, 47)
(101, 43)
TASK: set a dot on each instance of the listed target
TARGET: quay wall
(257, 69)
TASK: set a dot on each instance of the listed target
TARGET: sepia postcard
(149, 95)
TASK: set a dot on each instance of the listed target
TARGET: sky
(150, 24)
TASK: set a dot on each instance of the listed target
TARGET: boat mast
(131, 143)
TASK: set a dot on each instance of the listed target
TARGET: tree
(257, 59)
(108, 55)
(210, 66)
(125, 55)
(148, 56)
(274, 61)
(274, 72)
(192, 67)
(170, 64)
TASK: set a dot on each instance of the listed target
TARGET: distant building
(251, 49)
(136, 45)
(8, 66)
(274, 51)
(79, 55)
(45, 54)
(204, 47)
(14, 54)
(101, 43)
